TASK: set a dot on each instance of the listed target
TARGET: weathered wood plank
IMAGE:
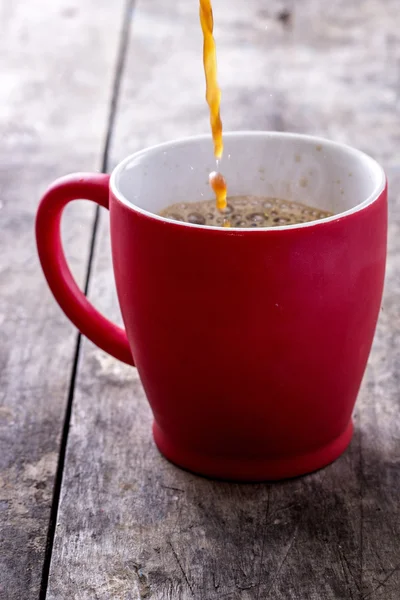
(57, 63)
(133, 526)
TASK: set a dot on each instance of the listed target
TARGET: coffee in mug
(244, 212)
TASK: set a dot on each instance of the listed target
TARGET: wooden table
(89, 510)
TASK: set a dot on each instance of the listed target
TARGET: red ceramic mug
(251, 344)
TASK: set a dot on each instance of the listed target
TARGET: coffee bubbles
(244, 212)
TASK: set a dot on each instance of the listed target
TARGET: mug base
(252, 469)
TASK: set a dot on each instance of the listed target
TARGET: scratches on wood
(382, 583)
(180, 567)
(282, 563)
(264, 533)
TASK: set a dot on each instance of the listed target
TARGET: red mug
(251, 344)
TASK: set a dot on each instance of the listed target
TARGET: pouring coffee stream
(213, 97)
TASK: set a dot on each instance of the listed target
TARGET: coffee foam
(244, 212)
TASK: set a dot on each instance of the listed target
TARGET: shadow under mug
(251, 344)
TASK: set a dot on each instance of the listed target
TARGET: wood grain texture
(132, 526)
(57, 64)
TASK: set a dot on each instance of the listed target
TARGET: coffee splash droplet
(218, 185)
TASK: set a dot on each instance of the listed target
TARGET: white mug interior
(314, 171)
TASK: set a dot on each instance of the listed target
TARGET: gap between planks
(119, 69)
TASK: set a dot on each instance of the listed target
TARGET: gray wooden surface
(57, 65)
(129, 524)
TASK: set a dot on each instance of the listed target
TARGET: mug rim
(373, 197)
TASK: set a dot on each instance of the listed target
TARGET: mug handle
(94, 187)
